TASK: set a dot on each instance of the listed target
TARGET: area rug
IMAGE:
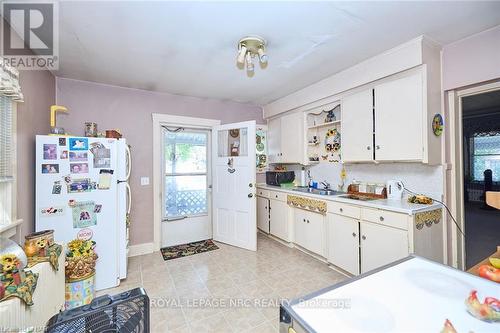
(184, 250)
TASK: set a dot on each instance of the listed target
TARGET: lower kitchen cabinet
(343, 242)
(263, 214)
(309, 231)
(278, 221)
(381, 245)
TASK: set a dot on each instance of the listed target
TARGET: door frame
(454, 187)
(160, 120)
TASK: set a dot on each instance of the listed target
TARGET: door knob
(250, 184)
(250, 195)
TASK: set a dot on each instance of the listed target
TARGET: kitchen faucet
(326, 185)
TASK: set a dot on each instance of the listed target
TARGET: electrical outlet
(144, 181)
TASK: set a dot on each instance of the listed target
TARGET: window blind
(6, 149)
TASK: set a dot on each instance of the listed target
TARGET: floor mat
(184, 250)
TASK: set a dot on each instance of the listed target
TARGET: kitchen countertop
(410, 295)
(400, 206)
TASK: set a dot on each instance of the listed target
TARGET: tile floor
(226, 290)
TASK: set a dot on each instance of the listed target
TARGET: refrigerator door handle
(129, 161)
(129, 203)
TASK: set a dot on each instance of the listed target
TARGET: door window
(233, 142)
(186, 173)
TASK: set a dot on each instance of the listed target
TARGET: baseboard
(140, 249)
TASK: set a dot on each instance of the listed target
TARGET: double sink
(340, 194)
(317, 191)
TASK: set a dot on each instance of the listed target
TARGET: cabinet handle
(368, 148)
(381, 218)
(353, 234)
(377, 146)
(341, 210)
(303, 220)
(250, 195)
(363, 237)
(265, 207)
(276, 197)
(307, 221)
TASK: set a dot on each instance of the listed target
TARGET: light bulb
(249, 62)
(241, 55)
(262, 56)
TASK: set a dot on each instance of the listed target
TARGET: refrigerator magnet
(80, 185)
(52, 211)
(50, 168)
(78, 156)
(62, 141)
(50, 152)
(64, 155)
(77, 168)
(56, 188)
(78, 144)
(97, 208)
(83, 214)
(94, 146)
(85, 234)
(102, 158)
(71, 202)
(105, 177)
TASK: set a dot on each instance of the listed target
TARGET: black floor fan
(127, 312)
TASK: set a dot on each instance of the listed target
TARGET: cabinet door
(399, 119)
(263, 214)
(315, 233)
(299, 227)
(381, 245)
(292, 138)
(278, 222)
(274, 140)
(357, 127)
(343, 242)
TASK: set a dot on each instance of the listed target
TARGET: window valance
(9, 82)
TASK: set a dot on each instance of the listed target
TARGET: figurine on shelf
(330, 117)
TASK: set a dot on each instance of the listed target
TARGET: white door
(186, 166)
(343, 242)
(263, 214)
(398, 119)
(357, 127)
(381, 245)
(234, 199)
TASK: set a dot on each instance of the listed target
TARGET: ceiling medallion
(249, 48)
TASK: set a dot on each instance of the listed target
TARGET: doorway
(471, 148)
(481, 170)
(186, 215)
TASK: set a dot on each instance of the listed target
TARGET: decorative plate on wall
(235, 132)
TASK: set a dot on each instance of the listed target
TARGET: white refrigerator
(82, 192)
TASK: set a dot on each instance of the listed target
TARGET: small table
(474, 269)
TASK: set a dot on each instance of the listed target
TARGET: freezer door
(62, 163)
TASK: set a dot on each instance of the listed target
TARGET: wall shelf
(325, 124)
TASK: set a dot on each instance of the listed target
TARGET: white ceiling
(189, 48)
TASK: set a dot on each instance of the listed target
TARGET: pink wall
(32, 118)
(130, 110)
(472, 60)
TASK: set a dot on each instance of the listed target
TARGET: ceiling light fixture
(248, 48)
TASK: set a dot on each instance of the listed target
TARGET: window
(486, 155)
(7, 158)
(186, 173)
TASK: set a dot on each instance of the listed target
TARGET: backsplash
(417, 177)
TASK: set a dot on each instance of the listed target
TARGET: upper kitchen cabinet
(357, 126)
(286, 138)
(390, 120)
(399, 116)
